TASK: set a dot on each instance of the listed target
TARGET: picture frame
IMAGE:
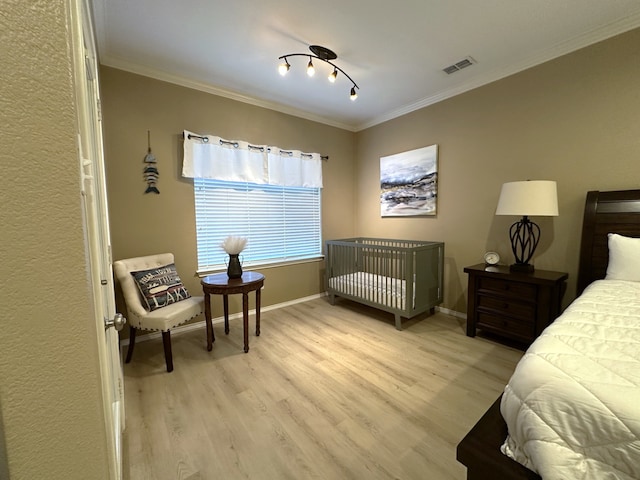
(409, 183)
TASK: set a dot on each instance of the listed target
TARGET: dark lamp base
(521, 267)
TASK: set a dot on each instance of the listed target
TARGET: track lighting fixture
(321, 53)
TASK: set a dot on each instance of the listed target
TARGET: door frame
(96, 226)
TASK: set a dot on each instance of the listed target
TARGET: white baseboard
(199, 325)
(453, 313)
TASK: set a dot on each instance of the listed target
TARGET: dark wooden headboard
(605, 212)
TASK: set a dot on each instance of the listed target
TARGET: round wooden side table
(221, 284)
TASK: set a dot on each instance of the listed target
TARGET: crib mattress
(383, 290)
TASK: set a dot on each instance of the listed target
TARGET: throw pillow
(160, 286)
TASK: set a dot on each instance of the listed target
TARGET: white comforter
(572, 405)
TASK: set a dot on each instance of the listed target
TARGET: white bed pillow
(624, 258)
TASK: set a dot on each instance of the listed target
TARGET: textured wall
(573, 120)
(52, 426)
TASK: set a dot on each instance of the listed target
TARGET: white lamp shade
(529, 198)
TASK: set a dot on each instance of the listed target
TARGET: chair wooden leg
(132, 343)
(166, 340)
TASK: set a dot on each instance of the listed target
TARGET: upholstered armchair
(155, 297)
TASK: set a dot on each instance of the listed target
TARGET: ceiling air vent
(464, 63)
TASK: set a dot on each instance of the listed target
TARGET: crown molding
(145, 71)
(581, 41)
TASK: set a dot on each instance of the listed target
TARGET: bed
(403, 277)
(572, 407)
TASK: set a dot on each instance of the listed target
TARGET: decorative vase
(234, 269)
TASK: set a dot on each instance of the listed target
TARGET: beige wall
(146, 224)
(51, 423)
(575, 120)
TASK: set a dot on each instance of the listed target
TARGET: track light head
(310, 68)
(333, 75)
(353, 95)
(283, 68)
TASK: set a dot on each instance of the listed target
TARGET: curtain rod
(236, 145)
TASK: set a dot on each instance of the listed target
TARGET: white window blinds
(281, 223)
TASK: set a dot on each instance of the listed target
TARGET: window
(281, 223)
(267, 194)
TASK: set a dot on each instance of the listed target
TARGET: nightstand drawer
(507, 287)
(507, 326)
(514, 305)
(507, 306)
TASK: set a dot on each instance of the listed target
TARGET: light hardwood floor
(326, 392)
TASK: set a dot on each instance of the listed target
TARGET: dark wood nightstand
(514, 305)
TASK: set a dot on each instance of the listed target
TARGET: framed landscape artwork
(409, 183)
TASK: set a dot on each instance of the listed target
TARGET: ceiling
(394, 51)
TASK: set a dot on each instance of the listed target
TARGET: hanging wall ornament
(150, 169)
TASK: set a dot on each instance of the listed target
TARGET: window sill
(262, 265)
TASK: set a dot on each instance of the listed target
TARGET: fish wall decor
(150, 169)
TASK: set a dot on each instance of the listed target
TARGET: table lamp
(527, 198)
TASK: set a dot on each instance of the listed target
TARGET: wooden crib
(403, 277)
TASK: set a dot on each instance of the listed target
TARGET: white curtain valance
(208, 156)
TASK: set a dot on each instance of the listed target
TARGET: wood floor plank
(326, 392)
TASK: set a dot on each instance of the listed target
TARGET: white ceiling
(394, 50)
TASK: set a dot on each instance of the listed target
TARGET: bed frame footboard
(480, 451)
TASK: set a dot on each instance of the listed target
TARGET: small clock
(491, 258)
